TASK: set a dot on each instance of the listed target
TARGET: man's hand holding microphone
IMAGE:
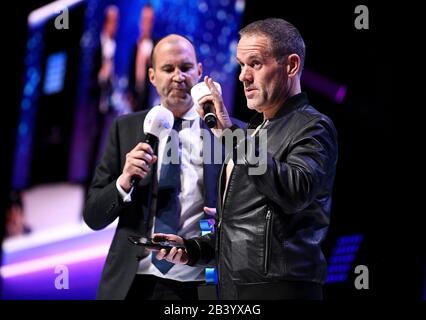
(208, 98)
(138, 164)
(158, 122)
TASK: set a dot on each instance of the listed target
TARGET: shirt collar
(191, 114)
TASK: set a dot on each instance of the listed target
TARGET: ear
(200, 70)
(151, 74)
(293, 65)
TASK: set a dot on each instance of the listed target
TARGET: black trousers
(148, 287)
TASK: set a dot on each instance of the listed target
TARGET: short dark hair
(284, 38)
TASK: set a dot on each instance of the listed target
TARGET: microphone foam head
(201, 89)
(158, 120)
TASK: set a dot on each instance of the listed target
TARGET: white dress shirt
(190, 196)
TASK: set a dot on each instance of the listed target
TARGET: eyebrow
(251, 57)
(168, 63)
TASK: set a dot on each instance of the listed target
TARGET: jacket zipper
(267, 241)
(218, 231)
(218, 239)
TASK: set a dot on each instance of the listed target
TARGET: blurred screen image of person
(140, 62)
(103, 82)
(15, 218)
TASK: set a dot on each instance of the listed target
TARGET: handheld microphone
(158, 121)
(199, 91)
(209, 116)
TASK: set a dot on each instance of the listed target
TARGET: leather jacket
(270, 226)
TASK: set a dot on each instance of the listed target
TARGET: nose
(179, 76)
(245, 75)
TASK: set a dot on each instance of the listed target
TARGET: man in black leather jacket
(271, 225)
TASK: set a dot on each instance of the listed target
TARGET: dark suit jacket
(104, 204)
